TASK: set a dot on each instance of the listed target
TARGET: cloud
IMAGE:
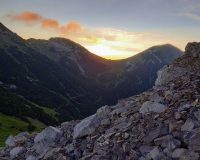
(48, 23)
(93, 39)
(27, 17)
(72, 28)
(191, 16)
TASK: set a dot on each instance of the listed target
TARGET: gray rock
(155, 152)
(103, 111)
(31, 158)
(155, 132)
(16, 141)
(192, 49)
(39, 147)
(145, 149)
(188, 125)
(190, 155)
(86, 127)
(178, 153)
(168, 73)
(42, 154)
(17, 150)
(118, 127)
(184, 107)
(197, 115)
(126, 147)
(134, 154)
(119, 110)
(105, 122)
(172, 144)
(167, 152)
(164, 139)
(194, 144)
(175, 126)
(156, 98)
(10, 141)
(152, 107)
(48, 136)
(50, 153)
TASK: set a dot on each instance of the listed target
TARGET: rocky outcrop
(162, 123)
(192, 49)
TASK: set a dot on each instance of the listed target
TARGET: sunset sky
(113, 29)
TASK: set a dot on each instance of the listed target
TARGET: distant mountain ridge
(62, 80)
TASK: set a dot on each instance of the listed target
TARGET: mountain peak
(3, 28)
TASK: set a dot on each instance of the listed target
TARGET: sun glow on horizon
(107, 52)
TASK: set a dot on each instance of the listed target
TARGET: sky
(113, 29)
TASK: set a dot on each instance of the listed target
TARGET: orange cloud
(48, 23)
(27, 17)
(73, 28)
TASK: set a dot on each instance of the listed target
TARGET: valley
(57, 80)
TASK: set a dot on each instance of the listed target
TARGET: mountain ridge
(162, 123)
(56, 87)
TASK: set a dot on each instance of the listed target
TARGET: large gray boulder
(168, 73)
(15, 151)
(48, 136)
(16, 141)
(152, 107)
(87, 126)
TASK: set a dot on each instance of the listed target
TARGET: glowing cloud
(73, 28)
(48, 23)
(27, 17)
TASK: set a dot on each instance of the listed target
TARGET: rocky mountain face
(162, 123)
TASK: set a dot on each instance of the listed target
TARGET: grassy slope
(49, 111)
(10, 125)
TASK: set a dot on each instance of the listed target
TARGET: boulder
(87, 126)
(145, 149)
(16, 151)
(48, 136)
(16, 141)
(168, 73)
(194, 144)
(178, 153)
(10, 141)
(155, 152)
(188, 125)
(152, 107)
